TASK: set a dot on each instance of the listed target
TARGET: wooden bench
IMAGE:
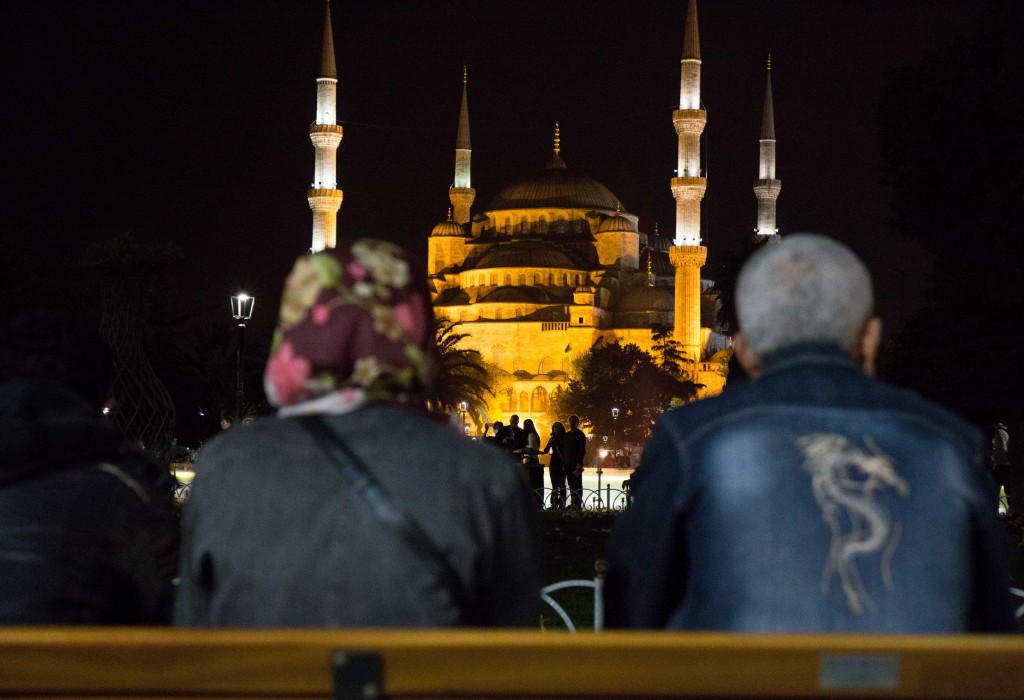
(168, 663)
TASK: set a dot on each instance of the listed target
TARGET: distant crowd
(810, 497)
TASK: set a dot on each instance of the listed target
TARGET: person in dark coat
(87, 525)
(511, 437)
(556, 468)
(530, 454)
(575, 452)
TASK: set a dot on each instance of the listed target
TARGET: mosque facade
(554, 264)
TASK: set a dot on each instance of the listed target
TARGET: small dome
(448, 228)
(525, 254)
(586, 289)
(617, 223)
(647, 299)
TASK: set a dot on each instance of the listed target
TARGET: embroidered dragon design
(845, 480)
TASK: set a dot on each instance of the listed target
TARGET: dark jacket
(814, 498)
(87, 527)
(274, 534)
(575, 448)
(556, 448)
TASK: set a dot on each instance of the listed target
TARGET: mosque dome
(555, 188)
(524, 254)
(617, 223)
(647, 299)
(448, 228)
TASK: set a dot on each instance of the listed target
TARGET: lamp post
(600, 470)
(241, 309)
(463, 407)
(615, 426)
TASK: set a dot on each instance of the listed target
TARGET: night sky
(187, 121)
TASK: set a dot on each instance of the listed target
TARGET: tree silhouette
(461, 374)
(625, 377)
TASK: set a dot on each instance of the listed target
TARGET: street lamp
(241, 309)
(615, 426)
(463, 407)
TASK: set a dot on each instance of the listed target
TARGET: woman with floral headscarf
(353, 507)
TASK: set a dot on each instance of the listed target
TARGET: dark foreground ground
(573, 541)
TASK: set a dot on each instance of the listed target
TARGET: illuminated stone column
(324, 196)
(767, 187)
(687, 261)
(462, 193)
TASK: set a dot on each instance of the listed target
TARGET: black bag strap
(365, 484)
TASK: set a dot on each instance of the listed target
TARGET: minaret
(324, 196)
(687, 254)
(767, 187)
(462, 194)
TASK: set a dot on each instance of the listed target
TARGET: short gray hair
(804, 288)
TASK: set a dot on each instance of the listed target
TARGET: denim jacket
(814, 498)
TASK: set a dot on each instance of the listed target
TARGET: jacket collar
(811, 353)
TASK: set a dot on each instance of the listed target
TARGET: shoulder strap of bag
(383, 507)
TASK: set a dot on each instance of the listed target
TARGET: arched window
(506, 401)
(508, 279)
(546, 365)
(524, 402)
(494, 280)
(539, 402)
(522, 279)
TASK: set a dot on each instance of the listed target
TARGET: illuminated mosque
(554, 264)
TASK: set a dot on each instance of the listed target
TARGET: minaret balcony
(325, 129)
(687, 256)
(325, 135)
(324, 199)
(689, 186)
(767, 189)
(689, 121)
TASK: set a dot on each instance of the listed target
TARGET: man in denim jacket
(812, 497)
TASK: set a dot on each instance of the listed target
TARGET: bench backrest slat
(470, 663)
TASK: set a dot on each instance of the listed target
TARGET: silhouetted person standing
(575, 453)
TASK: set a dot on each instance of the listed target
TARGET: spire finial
(462, 135)
(618, 208)
(465, 73)
(556, 161)
(328, 68)
(768, 115)
(650, 271)
(656, 228)
(691, 40)
(449, 213)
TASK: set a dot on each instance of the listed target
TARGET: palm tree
(461, 374)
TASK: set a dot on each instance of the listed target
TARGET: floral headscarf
(355, 325)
